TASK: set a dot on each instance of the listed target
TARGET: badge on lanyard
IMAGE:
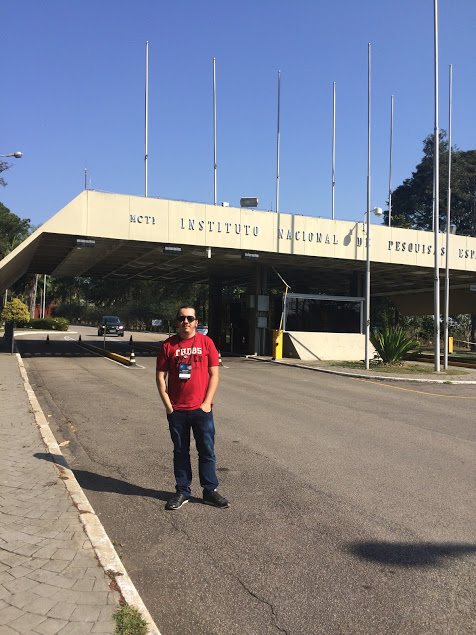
(185, 370)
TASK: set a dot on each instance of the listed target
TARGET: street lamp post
(378, 212)
(17, 155)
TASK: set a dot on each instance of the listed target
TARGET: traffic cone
(133, 359)
(79, 337)
(47, 337)
(130, 340)
(219, 359)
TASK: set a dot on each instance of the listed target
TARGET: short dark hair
(186, 306)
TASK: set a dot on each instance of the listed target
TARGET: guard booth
(313, 327)
(323, 327)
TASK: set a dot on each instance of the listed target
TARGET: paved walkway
(59, 572)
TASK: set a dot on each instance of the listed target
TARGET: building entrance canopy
(125, 237)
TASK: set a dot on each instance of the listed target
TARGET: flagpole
(367, 270)
(214, 136)
(146, 111)
(436, 205)
(390, 170)
(277, 150)
(448, 227)
(333, 148)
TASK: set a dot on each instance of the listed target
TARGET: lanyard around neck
(181, 348)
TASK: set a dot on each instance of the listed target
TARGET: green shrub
(393, 344)
(129, 621)
(15, 311)
(50, 324)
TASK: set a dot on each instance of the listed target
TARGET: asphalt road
(353, 502)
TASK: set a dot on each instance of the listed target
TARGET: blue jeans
(180, 424)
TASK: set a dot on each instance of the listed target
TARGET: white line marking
(17, 334)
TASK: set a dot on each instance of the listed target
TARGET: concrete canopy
(314, 255)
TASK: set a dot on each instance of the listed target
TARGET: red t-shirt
(200, 351)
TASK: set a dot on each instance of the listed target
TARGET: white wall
(326, 346)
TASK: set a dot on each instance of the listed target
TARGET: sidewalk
(59, 572)
(468, 375)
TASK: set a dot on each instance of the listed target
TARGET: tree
(4, 166)
(15, 311)
(412, 202)
(13, 230)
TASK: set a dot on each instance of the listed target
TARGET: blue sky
(73, 97)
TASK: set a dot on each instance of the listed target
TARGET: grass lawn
(407, 368)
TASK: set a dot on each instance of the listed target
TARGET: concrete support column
(357, 284)
(357, 289)
(215, 312)
(258, 334)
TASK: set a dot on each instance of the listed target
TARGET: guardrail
(465, 342)
(430, 359)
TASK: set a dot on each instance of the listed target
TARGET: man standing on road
(190, 360)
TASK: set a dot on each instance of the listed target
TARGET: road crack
(263, 601)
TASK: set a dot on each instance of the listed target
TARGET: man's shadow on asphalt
(408, 554)
(98, 483)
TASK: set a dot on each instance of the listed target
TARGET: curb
(100, 541)
(359, 375)
(101, 351)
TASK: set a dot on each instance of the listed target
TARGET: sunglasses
(190, 318)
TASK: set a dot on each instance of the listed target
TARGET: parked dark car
(112, 324)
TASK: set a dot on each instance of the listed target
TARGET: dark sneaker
(176, 502)
(215, 499)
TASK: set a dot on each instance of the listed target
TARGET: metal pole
(146, 111)
(214, 136)
(85, 178)
(367, 271)
(448, 225)
(390, 171)
(277, 152)
(285, 309)
(44, 295)
(33, 297)
(333, 147)
(436, 206)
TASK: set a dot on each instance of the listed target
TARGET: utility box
(263, 303)
(450, 344)
(258, 302)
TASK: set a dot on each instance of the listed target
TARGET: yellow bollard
(220, 363)
(132, 359)
(277, 344)
(450, 344)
